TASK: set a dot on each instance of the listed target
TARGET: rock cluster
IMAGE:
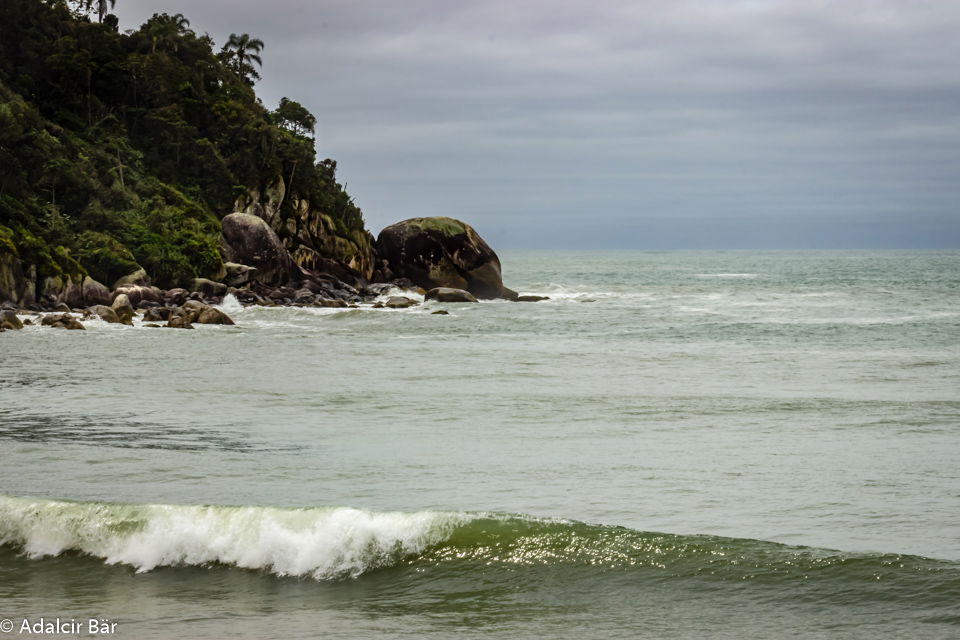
(442, 259)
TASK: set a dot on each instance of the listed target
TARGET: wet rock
(531, 298)
(441, 312)
(211, 315)
(331, 303)
(157, 314)
(209, 288)
(124, 310)
(105, 313)
(304, 296)
(62, 321)
(178, 322)
(399, 302)
(176, 296)
(191, 309)
(448, 294)
(378, 288)
(9, 320)
(246, 296)
(508, 294)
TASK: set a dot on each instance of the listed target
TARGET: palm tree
(244, 50)
(164, 30)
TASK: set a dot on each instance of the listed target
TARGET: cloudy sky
(648, 124)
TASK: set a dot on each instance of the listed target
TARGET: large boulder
(247, 239)
(94, 292)
(442, 252)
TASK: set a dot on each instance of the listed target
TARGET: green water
(676, 445)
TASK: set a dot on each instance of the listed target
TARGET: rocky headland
(440, 259)
(141, 177)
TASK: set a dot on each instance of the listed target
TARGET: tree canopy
(122, 150)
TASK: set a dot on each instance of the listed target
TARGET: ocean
(674, 445)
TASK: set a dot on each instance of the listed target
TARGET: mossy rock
(441, 252)
(441, 224)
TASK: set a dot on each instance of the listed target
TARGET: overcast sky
(617, 124)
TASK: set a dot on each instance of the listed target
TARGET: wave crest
(322, 542)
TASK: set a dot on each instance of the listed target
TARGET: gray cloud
(799, 123)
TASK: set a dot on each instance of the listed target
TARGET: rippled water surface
(780, 429)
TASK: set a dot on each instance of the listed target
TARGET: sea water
(674, 445)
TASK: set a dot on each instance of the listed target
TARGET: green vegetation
(441, 224)
(121, 151)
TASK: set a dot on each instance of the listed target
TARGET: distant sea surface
(675, 445)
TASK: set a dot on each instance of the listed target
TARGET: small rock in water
(178, 322)
(449, 294)
(210, 315)
(124, 310)
(105, 313)
(62, 321)
(399, 302)
(531, 298)
(157, 314)
(441, 312)
(9, 320)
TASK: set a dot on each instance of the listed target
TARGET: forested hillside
(121, 151)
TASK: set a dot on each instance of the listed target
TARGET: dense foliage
(120, 151)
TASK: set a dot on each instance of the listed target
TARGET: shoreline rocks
(440, 258)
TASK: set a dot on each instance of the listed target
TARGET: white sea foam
(230, 305)
(322, 542)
